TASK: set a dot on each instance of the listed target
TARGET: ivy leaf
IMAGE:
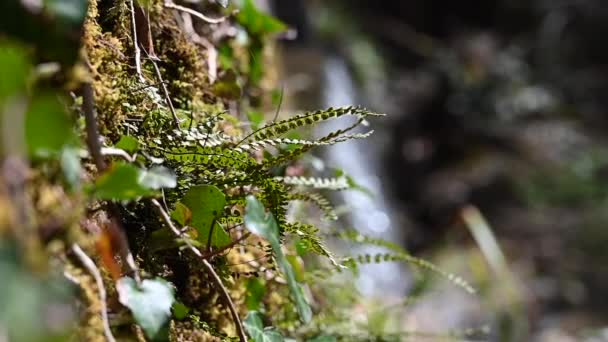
(258, 22)
(121, 182)
(150, 303)
(263, 224)
(255, 328)
(206, 204)
(47, 127)
(126, 182)
(158, 177)
(181, 214)
(127, 143)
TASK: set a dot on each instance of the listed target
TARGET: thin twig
(94, 145)
(174, 229)
(170, 4)
(235, 314)
(136, 44)
(228, 246)
(90, 265)
(165, 91)
(209, 269)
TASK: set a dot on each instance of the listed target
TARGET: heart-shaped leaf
(158, 177)
(206, 204)
(255, 328)
(150, 302)
(121, 182)
(263, 224)
(126, 182)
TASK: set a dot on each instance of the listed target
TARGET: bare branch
(172, 5)
(136, 44)
(209, 269)
(90, 265)
(165, 91)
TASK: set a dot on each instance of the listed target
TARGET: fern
(318, 200)
(278, 128)
(417, 262)
(339, 183)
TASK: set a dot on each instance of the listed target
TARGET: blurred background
(491, 161)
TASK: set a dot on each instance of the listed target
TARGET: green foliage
(255, 328)
(257, 22)
(205, 204)
(47, 127)
(150, 302)
(124, 181)
(263, 224)
(128, 143)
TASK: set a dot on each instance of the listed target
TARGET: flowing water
(369, 214)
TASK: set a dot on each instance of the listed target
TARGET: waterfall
(370, 215)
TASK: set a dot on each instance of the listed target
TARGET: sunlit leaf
(206, 204)
(150, 302)
(158, 177)
(181, 214)
(128, 143)
(121, 182)
(255, 328)
(263, 224)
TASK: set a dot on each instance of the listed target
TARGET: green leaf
(255, 118)
(70, 165)
(158, 177)
(255, 293)
(126, 182)
(255, 328)
(14, 68)
(47, 127)
(150, 303)
(180, 311)
(263, 224)
(121, 182)
(258, 22)
(181, 214)
(127, 143)
(206, 203)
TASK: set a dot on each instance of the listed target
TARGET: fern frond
(417, 262)
(355, 236)
(339, 183)
(310, 237)
(317, 199)
(278, 128)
